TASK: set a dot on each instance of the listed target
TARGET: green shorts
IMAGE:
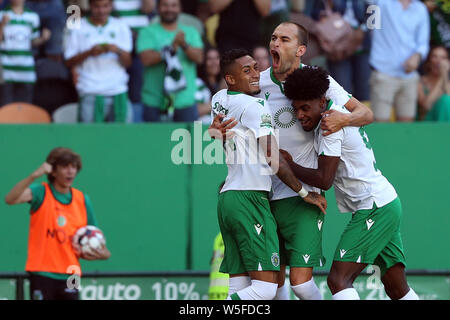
(373, 236)
(249, 232)
(300, 227)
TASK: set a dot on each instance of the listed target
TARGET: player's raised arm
(21, 192)
(333, 121)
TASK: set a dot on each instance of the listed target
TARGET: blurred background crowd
(136, 61)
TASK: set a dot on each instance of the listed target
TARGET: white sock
(238, 283)
(346, 294)
(307, 291)
(259, 290)
(411, 295)
(282, 293)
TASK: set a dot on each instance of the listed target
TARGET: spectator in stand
(53, 17)
(99, 53)
(279, 12)
(353, 70)
(197, 8)
(439, 22)
(135, 14)
(398, 48)
(262, 56)
(434, 87)
(209, 81)
(239, 23)
(19, 32)
(170, 52)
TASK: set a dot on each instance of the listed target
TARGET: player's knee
(264, 290)
(337, 282)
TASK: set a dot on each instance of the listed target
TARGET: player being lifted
(248, 228)
(346, 161)
(300, 224)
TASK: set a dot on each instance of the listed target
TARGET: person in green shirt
(186, 43)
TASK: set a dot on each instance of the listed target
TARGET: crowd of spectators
(158, 60)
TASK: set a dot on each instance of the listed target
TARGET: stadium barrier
(193, 285)
(159, 215)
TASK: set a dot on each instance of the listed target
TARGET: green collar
(277, 82)
(230, 92)
(95, 25)
(330, 103)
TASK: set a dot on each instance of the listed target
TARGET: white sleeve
(70, 43)
(36, 24)
(330, 145)
(336, 93)
(125, 39)
(258, 119)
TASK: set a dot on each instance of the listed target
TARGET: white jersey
(16, 51)
(292, 137)
(103, 74)
(247, 166)
(358, 183)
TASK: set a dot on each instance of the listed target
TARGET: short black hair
(306, 83)
(229, 57)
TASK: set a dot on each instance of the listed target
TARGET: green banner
(368, 286)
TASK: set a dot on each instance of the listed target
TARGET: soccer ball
(87, 239)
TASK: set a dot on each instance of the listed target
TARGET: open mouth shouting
(276, 59)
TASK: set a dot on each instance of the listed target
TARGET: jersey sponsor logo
(342, 252)
(369, 223)
(306, 257)
(58, 234)
(267, 95)
(218, 108)
(266, 121)
(61, 221)
(258, 228)
(285, 117)
(275, 259)
(319, 224)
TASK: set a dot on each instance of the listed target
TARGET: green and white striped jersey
(129, 11)
(16, 55)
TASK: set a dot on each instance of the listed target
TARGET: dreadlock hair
(306, 83)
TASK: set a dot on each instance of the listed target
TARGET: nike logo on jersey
(342, 251)
(258, 228)
(319, 224)
(369, 223)
(306, 257)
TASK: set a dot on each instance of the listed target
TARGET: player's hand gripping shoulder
(333, 121)
(219, 129)
(317, 200)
